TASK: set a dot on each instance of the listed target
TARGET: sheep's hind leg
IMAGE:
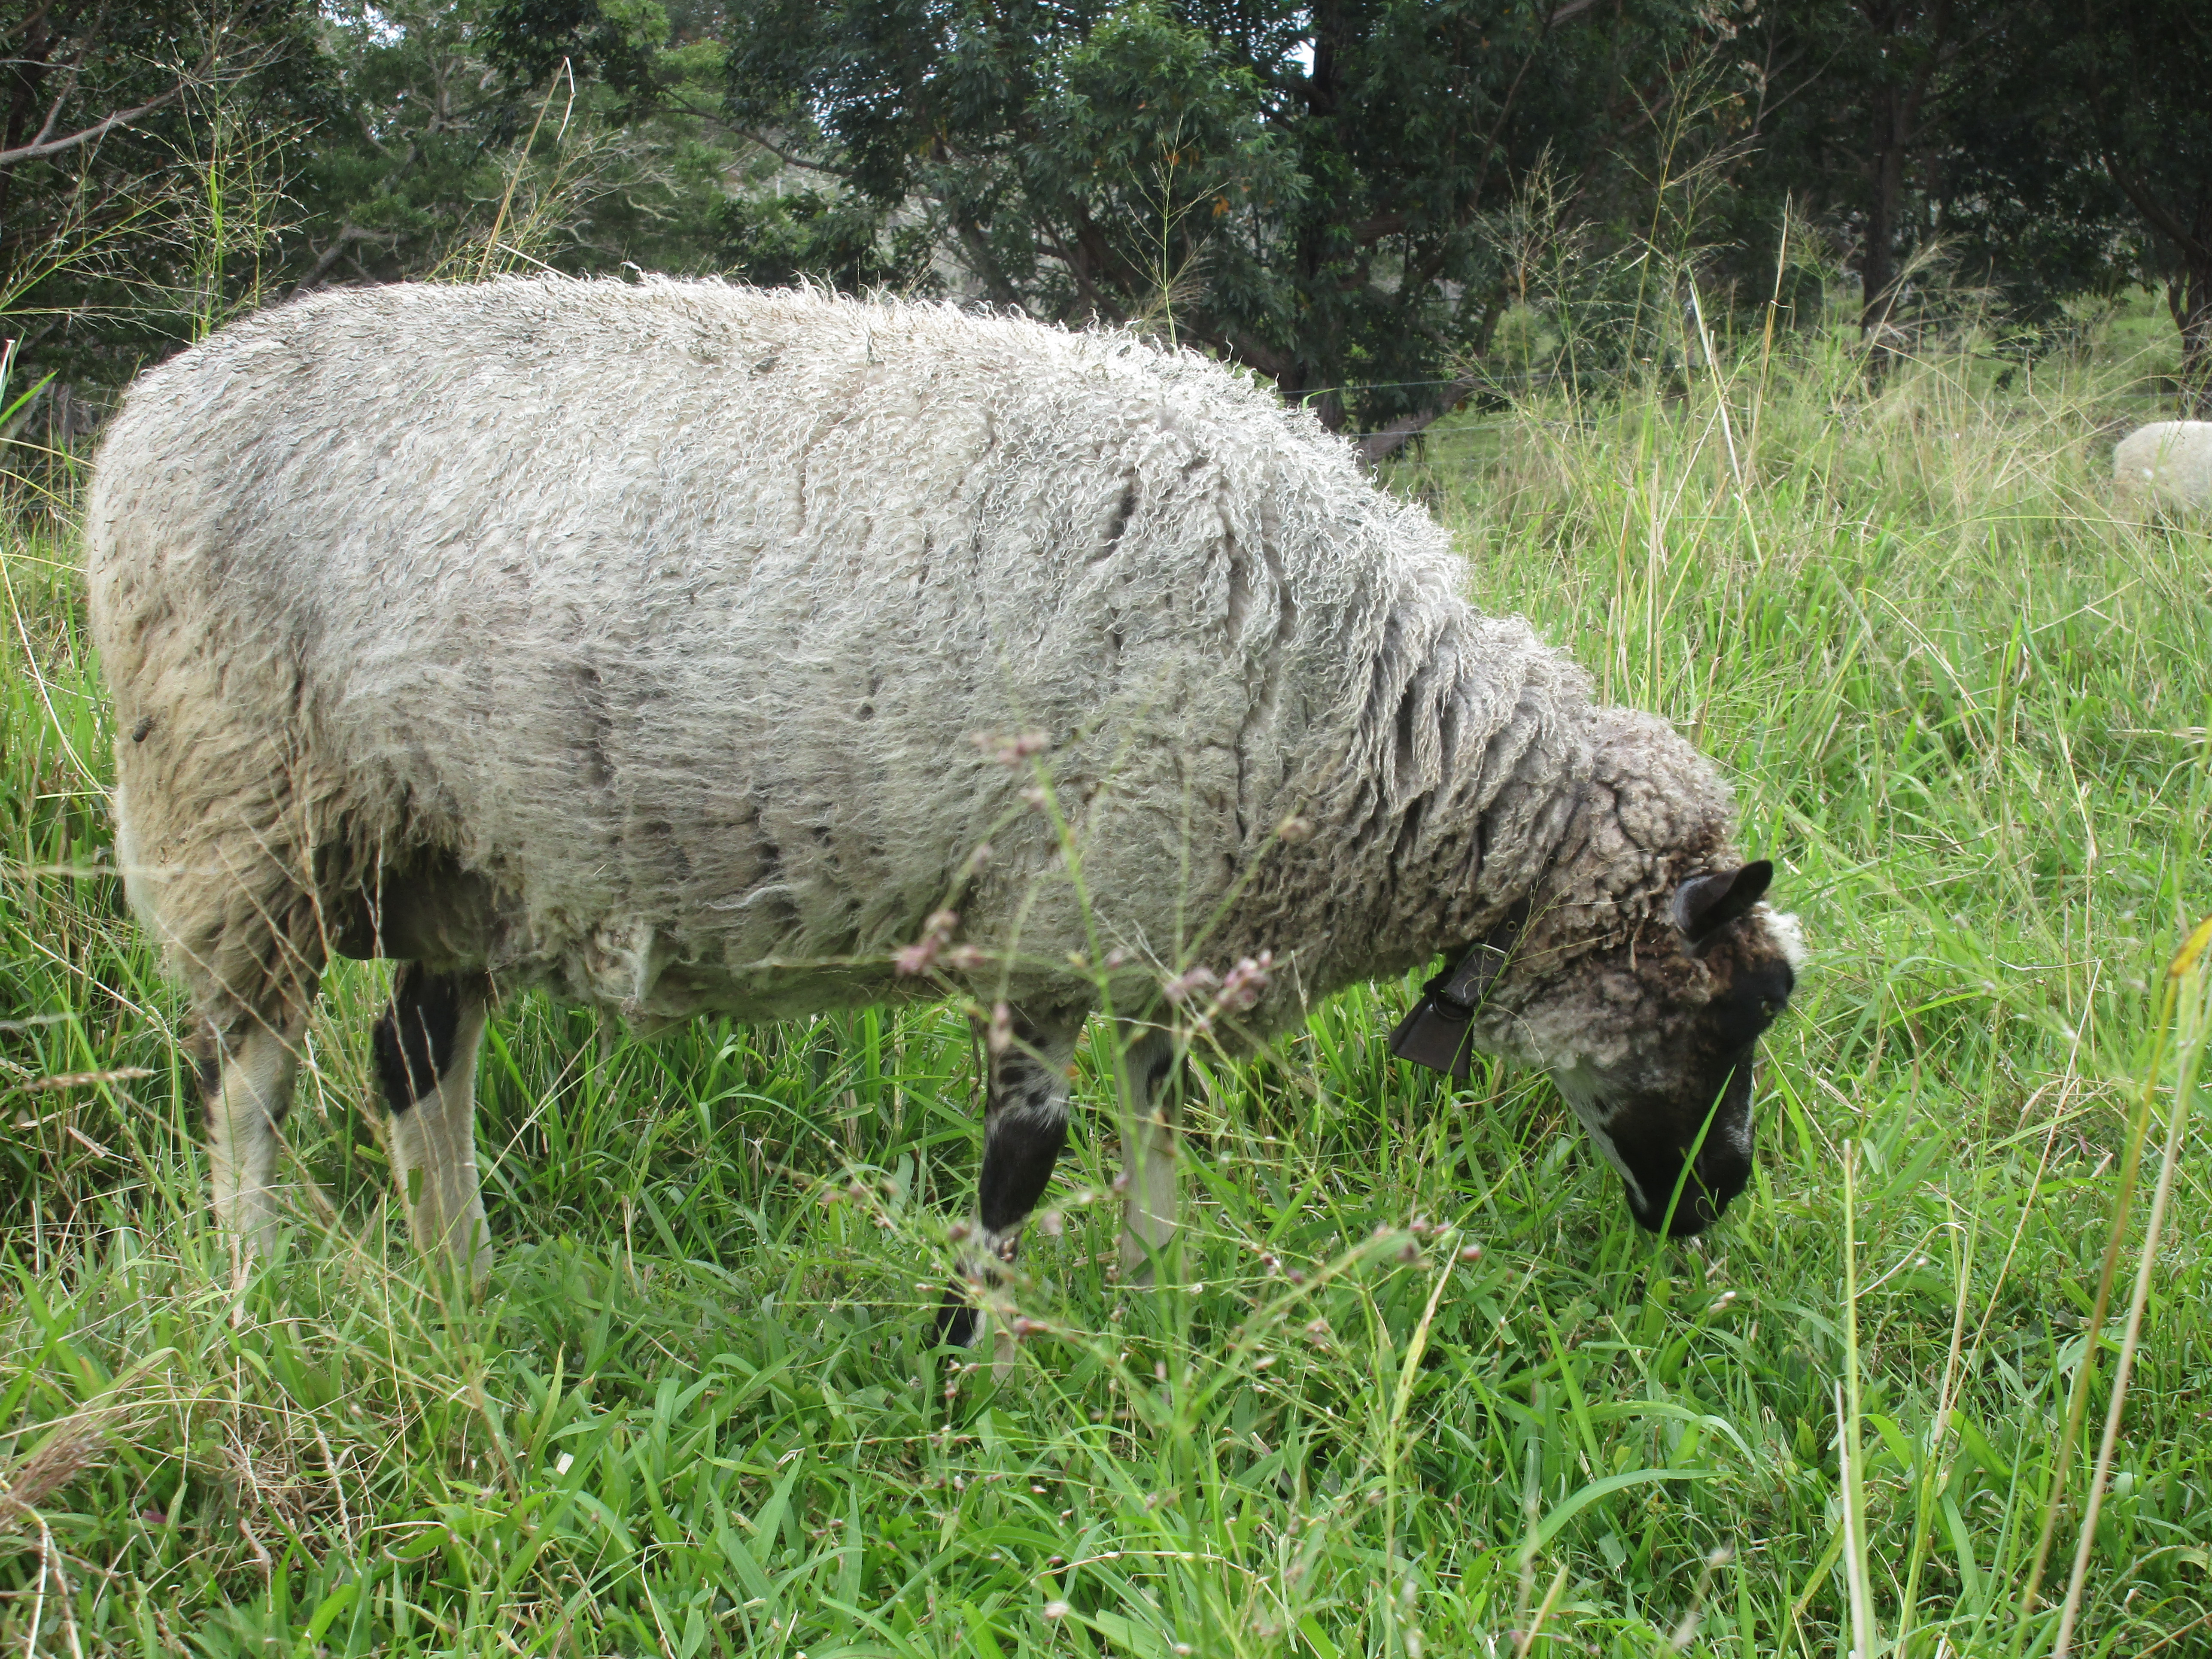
(1025, 1125)
(1152, 1106)
(425, 1049)
(247, 1067)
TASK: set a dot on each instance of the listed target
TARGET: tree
(1346, 197)
(75, 74)
(494, 133)
(1303, 189)
(1854, 122)
(2085, 160)
(166, 172)
(108, 113)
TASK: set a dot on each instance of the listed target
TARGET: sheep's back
(675, 610)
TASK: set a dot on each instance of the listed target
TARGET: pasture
(1418, 1384)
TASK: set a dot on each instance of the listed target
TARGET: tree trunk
(1877, 268)
(2195, 317)
(1923, 37)
(2190, 299)
(1315, 378)
(1378, 445)
(1877, 273)
(1885, 177)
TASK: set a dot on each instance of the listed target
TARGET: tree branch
(2160, 219)
(348, 233)
(785, 156)
(69, 79)
(981, 260)
(1268, 361)
(1376, 226)
(1098, 255)
(1076, 260)
(1386, 440)
(26, 24)
(708, 113)
(40, 149)
(39, 152)
(1558, 15)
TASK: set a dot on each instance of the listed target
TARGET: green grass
(1967, 709)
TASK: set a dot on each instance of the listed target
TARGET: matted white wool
(669, 614)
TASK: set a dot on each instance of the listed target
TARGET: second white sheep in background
(2168, 460)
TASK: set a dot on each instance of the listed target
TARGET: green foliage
(113, 239)
(1300, 189)
(591, 161)
(2049, 152)
(1350, 199)
(1866, 150)
(1967, 705)
(2085, 159)
(805, 234)
(347, 142)
(532, 40)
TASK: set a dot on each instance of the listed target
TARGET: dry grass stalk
(60, 1459)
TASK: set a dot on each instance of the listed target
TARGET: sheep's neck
(1486, 851)
(1443, 868)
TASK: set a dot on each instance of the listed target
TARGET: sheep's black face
(1673, 1115)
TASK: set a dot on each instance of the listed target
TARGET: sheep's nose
(1696, 1212)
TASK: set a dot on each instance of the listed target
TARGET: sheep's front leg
(1024, 1127)
(425, 1049)
(246, 1075)
(1152, 1101)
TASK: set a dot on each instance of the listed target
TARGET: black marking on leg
(1171, 1083)
(957, 1320)
(413, 1042)
(1163, 1069)
(211, 1051)
(1018, 1154)
(1026, 1128)
(207, 1065)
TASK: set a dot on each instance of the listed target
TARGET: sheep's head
(1652, 1039)
(1640, 969)
(1649, 1033)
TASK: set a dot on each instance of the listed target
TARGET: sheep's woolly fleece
(634, 640)
(2171, 460)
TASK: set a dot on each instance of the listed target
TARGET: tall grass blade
(2184, 995)
(2180, 970)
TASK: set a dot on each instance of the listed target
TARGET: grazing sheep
(633, 642)
(2168, 460)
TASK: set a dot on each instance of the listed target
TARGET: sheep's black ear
(1705, 904)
